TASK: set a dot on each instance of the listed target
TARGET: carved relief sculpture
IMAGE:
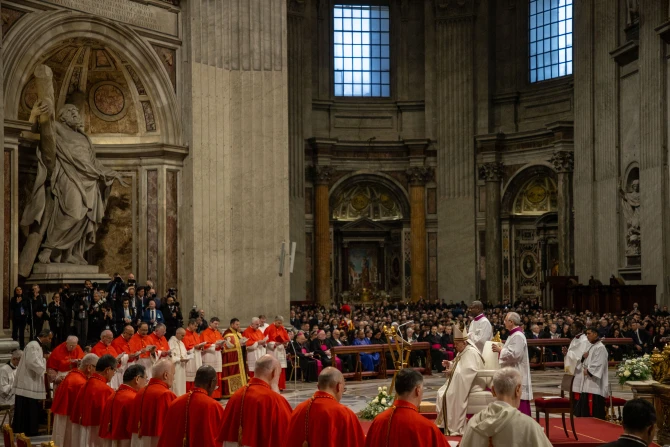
(630, 202)
(68, 199)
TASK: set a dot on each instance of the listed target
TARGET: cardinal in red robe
(402, 425)
(191, 340)
(114, 422)
(64, 358)
(255, 342)
(104, 346)
(140, 344)
(147, 416)
(322, 421)
(65, 398)
(157, 338)
(211, 355)
(121, 345)
(193, 420)
(257, 415)
(91, 400)
(276, 347)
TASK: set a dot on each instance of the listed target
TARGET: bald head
(161, 367)
(331, 381)
(206, 379)
(267, 368)
(71, 343)
(106, 337)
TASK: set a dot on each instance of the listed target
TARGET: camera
(172, 292)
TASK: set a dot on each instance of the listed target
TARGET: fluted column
(492, 173)
(564, 162)
(418, 176)
(322, 175)
(455, 171)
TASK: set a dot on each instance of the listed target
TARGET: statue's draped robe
(80, 186)
(462, 382)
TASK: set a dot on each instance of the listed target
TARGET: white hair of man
(16, 355)
(161, 367)
(72, 339)
(89, 359)
(279, 318)
(505, 381)
(106, 332)
(255, 320)
(514, 318)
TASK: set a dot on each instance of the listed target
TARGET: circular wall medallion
(528, 265)
(536, 194)
(386, 201)
(107, 101)
(359, 202)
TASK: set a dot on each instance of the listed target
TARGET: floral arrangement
(637, 368)
(377, 405)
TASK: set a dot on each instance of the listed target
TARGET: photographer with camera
(57, 320)
(96, 314)
(172, 313)
(108, 320)
(81, 302)
(116, 287)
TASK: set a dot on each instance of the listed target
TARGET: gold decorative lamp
(400, 351)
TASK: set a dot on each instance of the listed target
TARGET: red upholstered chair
(8, 435)
(616, 402)
(23, 441)
(558, 405)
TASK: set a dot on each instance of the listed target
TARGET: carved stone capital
(322, 174)
(420, 175)
(563, 161)
(296, 7)
(454, 10)
(491, 172)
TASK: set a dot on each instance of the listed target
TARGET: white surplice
(457, 388)
(255, 352)
(7, 376)
(500, 424)
(178, 353)
(88, 436)
(480, 332)
(278, 351)
(515, 355)
(573, 357)
(212, 357)
(117, 379)
(597, 382)
(148, 363)
(61, 433)
(194, 362)
(146, 441)
(29, 379)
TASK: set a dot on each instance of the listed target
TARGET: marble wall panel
(152, 225)
(309, 264)
(113, 249)
(171, 229)
(432, 266)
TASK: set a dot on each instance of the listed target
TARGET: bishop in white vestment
(180, 357)
(595, 381)
(480, 330)
(452, 397)
(514, 354)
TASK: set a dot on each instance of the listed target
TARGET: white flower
(375, 400)
(379, 389)
(626, 373)
(383, 401)
(384, 388)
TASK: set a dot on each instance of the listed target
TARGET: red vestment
(91, 399)
(253, 336)
(280, 336)
(263, 414)
(160, 343)
(137, 343)
(148, 410)
(122, 346)
(408, 428)
(61, 360)
(190, 340)
(331, 424)
(197, 411)
(101, 349)
(234, 374)
(211, 336)
(114, 422)
(66, 393)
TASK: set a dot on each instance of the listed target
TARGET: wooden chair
(295, 366)
(558, 405)
(23, 441)
(616, 402)
(7, 410)
(8, 435)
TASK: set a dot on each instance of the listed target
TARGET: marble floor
(357, 394)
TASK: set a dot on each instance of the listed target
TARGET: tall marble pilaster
(654, 214)
(299, 92)
(563, 162)
(418, 176)
(455, 172)
(322, 245)
(492, 174)
(236, 177)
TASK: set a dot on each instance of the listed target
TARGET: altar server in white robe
(452, 397)
(480, 330)
(180, 357)
(500, 424)
(573, 355)
(595, 381)
(7, 376)
(514, 354)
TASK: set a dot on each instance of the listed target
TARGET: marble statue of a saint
(68, 199)
(630, 202)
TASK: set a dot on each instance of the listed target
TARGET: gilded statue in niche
(630, 203)
(68, 199)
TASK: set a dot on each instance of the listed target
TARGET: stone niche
(127, 103)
